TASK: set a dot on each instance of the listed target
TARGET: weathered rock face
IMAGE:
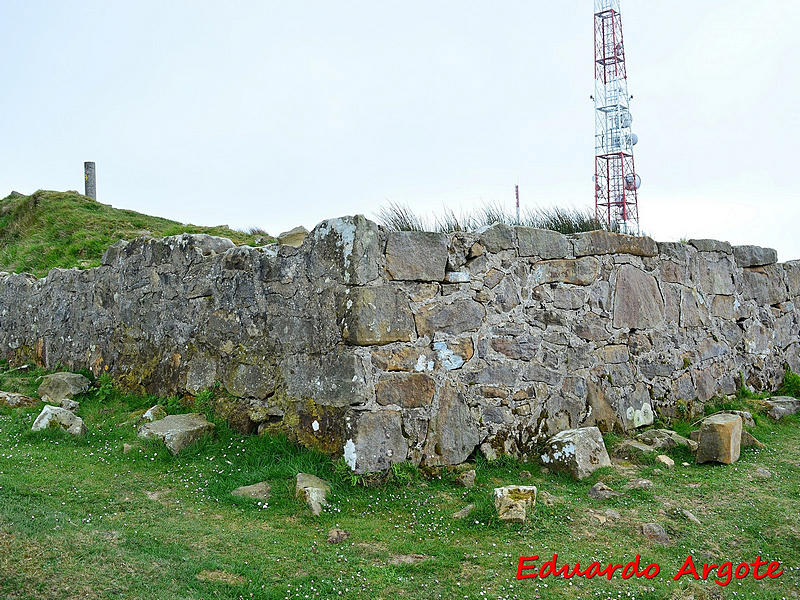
(55, 416)
(383, 346)
(177, 431)
(579, 452)
(719, 439)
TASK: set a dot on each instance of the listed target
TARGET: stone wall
(391, 346)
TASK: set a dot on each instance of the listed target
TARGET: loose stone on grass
(655, 533)
(466, 479)
(464, 512)
(601, 491)
(513, 501)
(312, 490)
(639, 484)
(633, 450)
(59, 386)
(762, 473)
(665, 461)
(256, 491)
(337, 536)
(12, 400)
(54, 416)
(720, 439)
(665, 439)
(579, 452)
(177, 431)
(690, 516)
(780, 406)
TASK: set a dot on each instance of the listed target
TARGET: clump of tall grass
(399, 217)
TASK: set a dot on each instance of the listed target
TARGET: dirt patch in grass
(217, 576)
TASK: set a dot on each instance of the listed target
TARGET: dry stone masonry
(384, 347)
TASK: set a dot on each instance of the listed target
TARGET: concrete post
(89, 178)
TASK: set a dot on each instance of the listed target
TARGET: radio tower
(616, 183)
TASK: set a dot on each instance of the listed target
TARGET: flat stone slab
(12, 400)
(60, 386)
(55, 416)
(780, 406)
(257, 491)
(665, 439)
(177, 431)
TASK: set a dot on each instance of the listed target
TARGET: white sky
(275, 114)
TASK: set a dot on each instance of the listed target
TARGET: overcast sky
(275, 114)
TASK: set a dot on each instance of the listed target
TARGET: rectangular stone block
(581, 271)
(754, 256)
(605, 242)
(376, 316)
(542, 243)
(416, 255)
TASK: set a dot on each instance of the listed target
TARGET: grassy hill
(65, 229)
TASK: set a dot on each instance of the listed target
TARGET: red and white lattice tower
(616, 182)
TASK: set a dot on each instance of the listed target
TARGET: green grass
(80, 519)
(399, 217)
(65, 229)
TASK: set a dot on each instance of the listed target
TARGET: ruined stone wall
(390, 346)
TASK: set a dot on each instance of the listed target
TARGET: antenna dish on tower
(616, 182)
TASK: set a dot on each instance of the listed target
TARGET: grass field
(65, 229)
(80, 519)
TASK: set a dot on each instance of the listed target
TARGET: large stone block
(754, 256)
(711, 246)
(407, 390)
(542, 243)
(347, 250)
(720, 439)
(250, 381)
(456, 317)
(416, 255)
(331, 379)
(498, 237)
(406, 358)
(605, 242)
(715, 276)
(638, 303)
(453, 433)
(377, 443)
(765, 285)
(376, 316)
(581, 271)
(579, 452)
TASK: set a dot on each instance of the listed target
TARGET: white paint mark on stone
(315, 425)
(449, 359)
(350, 454)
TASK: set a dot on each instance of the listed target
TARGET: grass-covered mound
(65, 229)
(80, 519)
